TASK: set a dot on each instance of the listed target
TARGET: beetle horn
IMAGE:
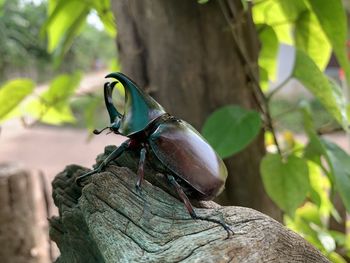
(140, 108)
(112, 111)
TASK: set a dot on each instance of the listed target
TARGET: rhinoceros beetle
(188, 160)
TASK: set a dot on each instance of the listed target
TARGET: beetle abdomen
(180, 148)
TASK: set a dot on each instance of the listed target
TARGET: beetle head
(140, 109)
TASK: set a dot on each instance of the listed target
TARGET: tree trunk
(185, 55)
(23, 217)
(110, 221)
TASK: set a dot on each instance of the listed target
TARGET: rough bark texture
(184, 54)
(23, 216)
(109, 221)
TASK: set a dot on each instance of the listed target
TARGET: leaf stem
(228, 12)
(278, 88)
(290, 110)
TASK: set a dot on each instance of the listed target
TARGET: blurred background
(266, 82)
(41, 144)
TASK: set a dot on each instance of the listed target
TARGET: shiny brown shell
(187, 154)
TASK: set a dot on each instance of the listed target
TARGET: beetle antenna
(99, 131)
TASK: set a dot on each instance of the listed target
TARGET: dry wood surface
(108, 220)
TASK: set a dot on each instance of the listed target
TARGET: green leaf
(230, 129)
(340, 166)
(62, 20)
(55, 115)
(283, 33)
(336, 258)
(306, 222)
(286, 181)
(61, 88)
(310, 38)
(280, 15)
(308, 121)
(108, 22)
(104, 11)
(319, 191)
(67, 18)
(332, 17)
(315, 148)
(307, 72)
(315, 151)
(342, 104)
(52, 106)
(67, 40)
(12, 93)
(263, 79)
(269, 50)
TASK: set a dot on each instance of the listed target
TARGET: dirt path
(50, 149)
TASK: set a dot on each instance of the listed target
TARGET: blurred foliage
(20, 44)
(66, 19)
(93, 49)
(90, 111)
(301, 178)
(23, 49)
(286, 115)
(329, 94)
(17, 90)
(51, 106)
(24, 53)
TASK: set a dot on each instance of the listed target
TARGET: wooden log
(110, 221)
(23, 216)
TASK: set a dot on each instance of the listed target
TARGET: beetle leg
(190, 209)
(115, 154)
(182, 196)
(140, 171)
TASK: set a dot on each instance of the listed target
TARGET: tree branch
(109, 221)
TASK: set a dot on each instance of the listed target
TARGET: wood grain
(109, 221)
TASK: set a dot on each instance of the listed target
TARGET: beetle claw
(228, 230)
(78, 181)
(223, 224)
(138, 189)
